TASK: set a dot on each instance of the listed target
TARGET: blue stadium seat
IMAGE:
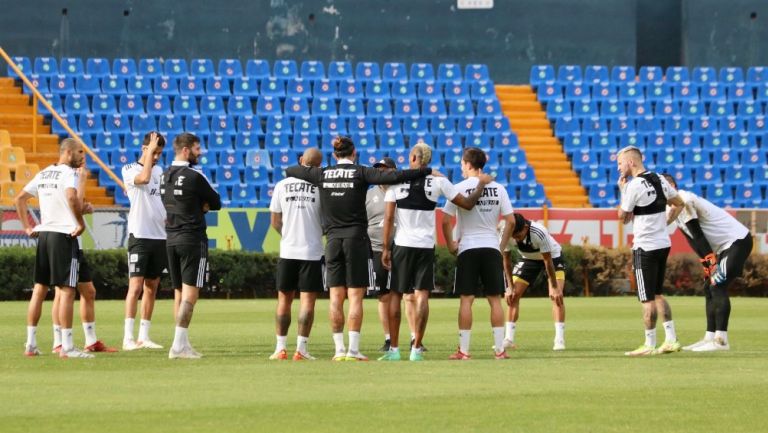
(46, 66)
(478, 90)
(575, 142)
(386, 123)
(370, 156)
(603, 195)
(245, 86)
(217, 86)
(97, 67)
(666, 108)
(605, 92)
(379, 107)
(576, 91)
(202, 68)
(683, 175)
(340, 71)
(393, 72)
(117, 124)
(677, 74)
(298, 87)
(584, 109)
(731, 124)
(458, 90)
(593, 174)
(752, 157)
(650, 74)
(158, 105)
(406, 107)
(532, 192)
(649, 124)
(170, 125)
(391, 141)
(739, 92)
(367, 71)
(731, 75)
(232, 157)
(549, 91)
(488, 107)
(268, 106)
(196, 124)
(274, 87)
(596, 74)
(134, 140)
(696, 157)
(333, 125)
(296, 106)
(460, 108)
(414, 123)
(693, 108)
(351, 89)
(244, 194)
(113, 85)
(684, 140)
(257, 68)
(748, 195)
(449, 72)
(621, 125)
(421, 72)
(305, 140)
(277, 140)
(285, 69)
(246, 140)
(38, 82)
(745, 140)
(568, 73)
(306, 124)
(724, 157)
(124, 68)
(714, 140)
(612, 108)
(521, 174)
(757, 124)
(566, 125)
(143, 123)
(424, 136)
(62, 85)
(71, 66)
(223, 123)
(312, 70)
(91, 124)
(104, 104)
(478, 139)
(230, 68)
(713, 91)
(721, 108)
(603, 140)
(704, 75)
(594, 124)
(720, 194)
(431, 107)
(757, 75)
(639, 108)
(623, 74)
(685, 91)
(658, 91)
(497, 124)
(403, 90)
(184, 105)
(761, 175)
(448, 140)
(239, 106)
(376, 89)
(631, 91)
(361, 125)
(175, 68)
(429, 90)
(469, 123)
(278, 124)
(677, 124)
(139, 85)
(585, 157)
(166, 85)
(258, 174)
(351, 107)
(476, 72)
(76, 104)
(22, 63)
(658, 140)
(513, 156)
(107, 141)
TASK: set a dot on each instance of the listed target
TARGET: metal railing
(37, 96)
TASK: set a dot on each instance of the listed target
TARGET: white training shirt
(650, 230)
(299, 202)
(146, 218)
(50, 187)
(538, 241)
(416, 228)
(476, 228)
(720, 228)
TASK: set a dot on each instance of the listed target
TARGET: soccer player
(723, 245)
(295, 208)
(147, 256)
(187, 195)
(58, 253)
(539, 251)
(411, 261)
(644, 199)
(479, 250)
(348, 264)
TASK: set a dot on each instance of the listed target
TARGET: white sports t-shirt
(476, 228)
(50, 187)
(538, 241)
(299, 202)
(416, 227)
(650, 230)
(720, 228)
(146, 218)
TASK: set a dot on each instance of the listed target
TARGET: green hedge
(236, 274)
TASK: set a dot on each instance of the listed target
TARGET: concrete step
(506, 97)
(537, 140)
(548, 148)
(566, 181)
(522, 115)
(7, 82)
(513, 88)
(518, 105)
(531, 124)
(537, 165)
(16, 100)
(540, 132)
(566, 190)
(545, 156)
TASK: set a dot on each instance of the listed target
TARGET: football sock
(90, 332)
(144, 330)
(464, 335)
(128, 330)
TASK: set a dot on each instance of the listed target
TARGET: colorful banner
(250, 230)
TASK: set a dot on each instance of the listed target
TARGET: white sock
(281, 342)
(90, 332)
(180, 339)
(498, 339)
(301, 344)
(650, 337)
(338, 340)
(144, 330)
(57, 336)
(709, 336)
(32, 336)
(394, 349)
(387, 337)
(669, 332)
(560, 331)
(510, 333)
(128, 329)
(464, 335)
(723, 335)
(67, 343)
(354, 342)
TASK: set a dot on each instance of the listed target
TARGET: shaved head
(71, 153)
(68, 144)
(629, 160)
(312, 157)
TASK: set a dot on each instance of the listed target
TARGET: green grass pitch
(591, 387)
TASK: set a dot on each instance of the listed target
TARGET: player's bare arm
(470, 201)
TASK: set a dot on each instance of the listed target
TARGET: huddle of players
(167, 230)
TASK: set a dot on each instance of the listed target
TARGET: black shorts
(381, 276)
(479, 265)
(147, 258)
(348, 262)
(412, 269)
(301, 275)
(733, 259)
(527, 270)
(188, 264)
(649, 268)
(84, 275)
(57, 261)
